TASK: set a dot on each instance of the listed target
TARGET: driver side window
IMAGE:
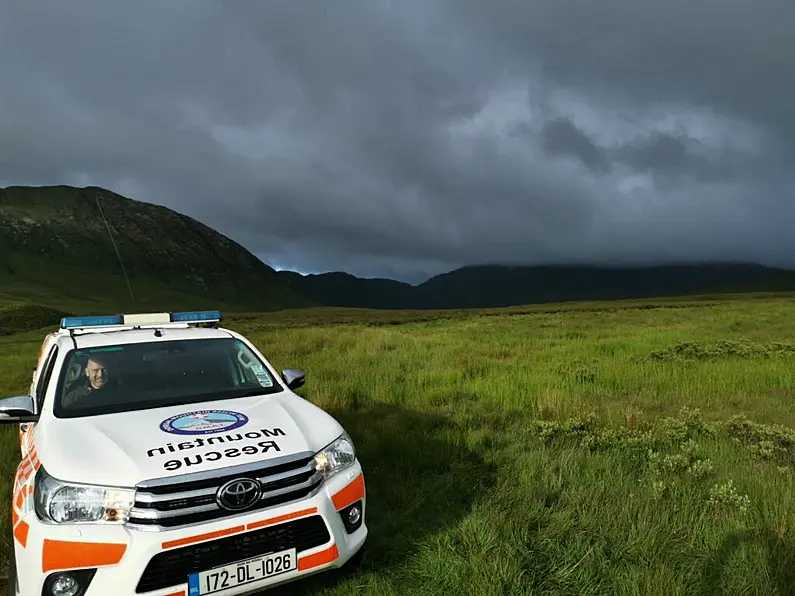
(44, 379)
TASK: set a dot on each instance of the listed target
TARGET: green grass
(77, 290)
(628, 449)
(16, 317)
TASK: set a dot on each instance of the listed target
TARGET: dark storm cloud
(561, 137)
(414, 136)
(662, 155)
(723, 54)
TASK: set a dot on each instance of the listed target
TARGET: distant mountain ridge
(55, 249)
(487, 286)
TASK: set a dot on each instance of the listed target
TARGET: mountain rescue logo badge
(203, 422)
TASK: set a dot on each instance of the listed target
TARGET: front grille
(192, 498)
(171, 568)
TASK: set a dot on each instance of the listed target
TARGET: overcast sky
(408, 137)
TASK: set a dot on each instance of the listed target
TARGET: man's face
(96, 373)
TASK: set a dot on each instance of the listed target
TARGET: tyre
(12, 588)
(355, 562)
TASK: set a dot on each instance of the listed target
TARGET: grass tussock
(692, 350)
(588, 451)
(16, 317)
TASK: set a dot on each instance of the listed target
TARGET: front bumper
(133, 562)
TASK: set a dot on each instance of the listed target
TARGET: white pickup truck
(164, 456)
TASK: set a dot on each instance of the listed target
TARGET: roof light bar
(147, 318)
(202, 316)
(91, 321)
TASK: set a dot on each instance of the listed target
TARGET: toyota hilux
(163, 455)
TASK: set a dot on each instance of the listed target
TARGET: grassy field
(76, 290)
(589, 449)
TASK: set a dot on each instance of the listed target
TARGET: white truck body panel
(168, 447)
(103, 450)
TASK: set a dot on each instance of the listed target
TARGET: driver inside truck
(96, 379)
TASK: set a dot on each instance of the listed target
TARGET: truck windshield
(139, 376)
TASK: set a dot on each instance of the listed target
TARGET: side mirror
(17, 409)
(293, 378)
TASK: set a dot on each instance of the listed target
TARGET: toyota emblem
(239, 494)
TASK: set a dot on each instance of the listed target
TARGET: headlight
(335, 457)
(67, 503)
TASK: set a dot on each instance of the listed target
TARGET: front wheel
(355, 562)
(13, 587)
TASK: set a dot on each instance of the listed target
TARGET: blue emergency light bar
(202, 316)
(91, 321)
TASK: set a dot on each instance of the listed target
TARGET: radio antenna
(116, 248)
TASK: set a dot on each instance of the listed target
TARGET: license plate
(229, 576)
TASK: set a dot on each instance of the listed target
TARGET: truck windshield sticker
(99, 350)
(226, 447)
(203, 422)
(262, 375)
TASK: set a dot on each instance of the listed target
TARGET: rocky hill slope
(56, 249)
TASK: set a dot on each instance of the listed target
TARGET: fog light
(68, 583)
(354, 515)
(64, 585)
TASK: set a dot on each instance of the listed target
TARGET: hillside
(495, 286)
(344, 289)
(55, 250)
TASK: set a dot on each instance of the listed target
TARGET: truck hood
(124, 449)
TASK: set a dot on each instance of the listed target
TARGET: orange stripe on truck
(22, 492)
(237, 529)
(26, 468)
(61, 554)
(350, 494)
(281, 518)
(21, 533)
(318, 559)
(202, 537)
